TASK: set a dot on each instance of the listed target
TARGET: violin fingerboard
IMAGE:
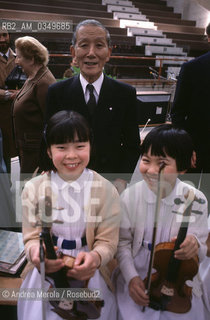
(50, 251)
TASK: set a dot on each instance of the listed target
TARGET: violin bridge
(66, 304)
(167, 291)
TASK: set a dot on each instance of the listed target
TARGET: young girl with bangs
(172, 149)
(84, 219)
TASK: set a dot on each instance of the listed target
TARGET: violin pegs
(193, 211)
(200, 200)
(178, 201)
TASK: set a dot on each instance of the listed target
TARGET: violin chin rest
(91, 308)
(67, 314)
(81, 310)
(156, 305)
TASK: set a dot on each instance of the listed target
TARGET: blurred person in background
(191, 112)
(7, 64)
(30, 102)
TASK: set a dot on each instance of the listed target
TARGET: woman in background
(29, 105)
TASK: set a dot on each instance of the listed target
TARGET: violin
(68, 309)
(168, 291)
(167, 287)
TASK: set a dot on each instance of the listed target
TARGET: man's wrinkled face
(4, 41)
(91, 51)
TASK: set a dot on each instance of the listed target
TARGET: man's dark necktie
(91, 104)
(5, 57)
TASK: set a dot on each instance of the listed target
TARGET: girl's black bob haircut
(65, 126)
(167, 140)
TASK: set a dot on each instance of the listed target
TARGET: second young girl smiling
(154, 154)
(173, 147)
(149, 168)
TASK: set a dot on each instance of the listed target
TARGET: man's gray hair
(90, 22)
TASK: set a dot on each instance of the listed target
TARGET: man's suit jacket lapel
(105, 93)
(75, 96)
(106, 102)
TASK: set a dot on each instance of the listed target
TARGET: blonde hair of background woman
(32, 48)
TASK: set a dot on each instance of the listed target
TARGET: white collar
(77, 184)
(97, 84)
(150, 196)
(5, 54)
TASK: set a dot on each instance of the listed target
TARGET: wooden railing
(131, 58)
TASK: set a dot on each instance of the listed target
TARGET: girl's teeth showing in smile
(71, 165)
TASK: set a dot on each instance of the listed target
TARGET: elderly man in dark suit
(109, 105)
(191, 108)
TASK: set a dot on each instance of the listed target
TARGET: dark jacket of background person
(28, 115)
(115, 131)
(191, 107)
(9, 149)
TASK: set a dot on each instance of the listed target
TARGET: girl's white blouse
(68, 214)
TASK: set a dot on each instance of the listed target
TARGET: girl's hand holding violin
(137, 292)
(50, 265)
(188, 248)
(85, 265)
